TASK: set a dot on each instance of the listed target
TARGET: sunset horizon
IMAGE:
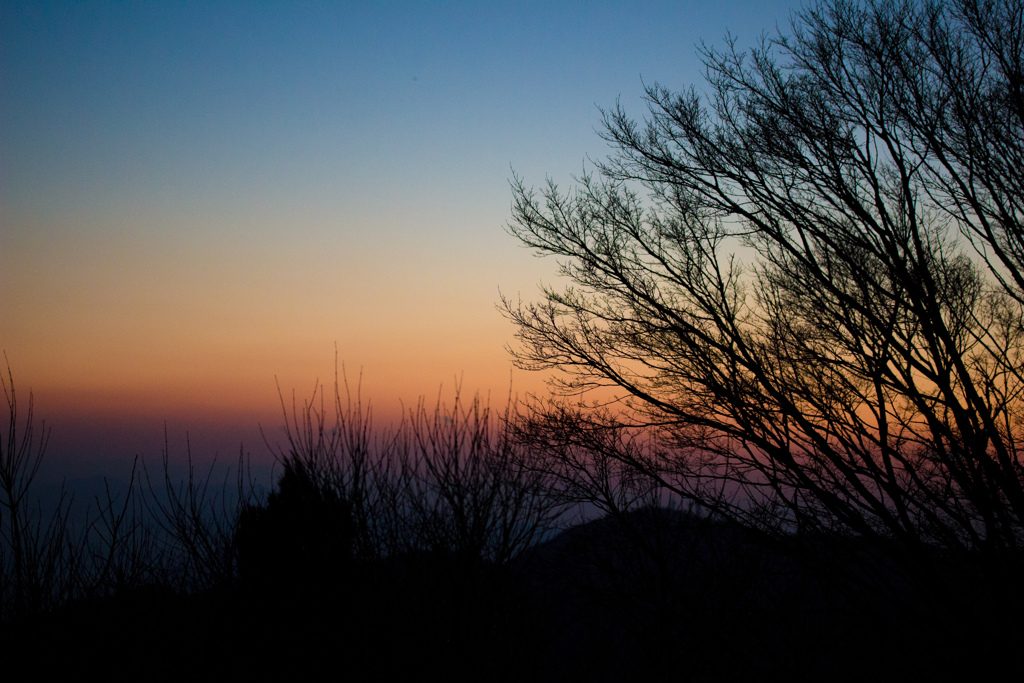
(202, 202)
(512, 341)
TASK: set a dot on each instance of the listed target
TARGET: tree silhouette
(805, 287)
(429, 520)
(31, 548)
(301, 537)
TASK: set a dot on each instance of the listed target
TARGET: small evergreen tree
(300, 540)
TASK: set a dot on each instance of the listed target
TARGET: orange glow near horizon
(122, 320)
(188, 213)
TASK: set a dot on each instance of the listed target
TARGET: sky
(204, 202)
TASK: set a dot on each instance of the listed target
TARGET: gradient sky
(197, 198)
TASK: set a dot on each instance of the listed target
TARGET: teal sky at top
(217, 104)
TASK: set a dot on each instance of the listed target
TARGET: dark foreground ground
(655, 595)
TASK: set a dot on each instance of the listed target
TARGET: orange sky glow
(200, 203)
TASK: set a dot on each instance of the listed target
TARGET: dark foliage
(301, 538)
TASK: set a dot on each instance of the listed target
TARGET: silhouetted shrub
(301, 539)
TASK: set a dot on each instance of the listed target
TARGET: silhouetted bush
(301, 538)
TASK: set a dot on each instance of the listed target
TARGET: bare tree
(37, 552)
(197, 521)
(46, 561)
(444, 479)
(436, 514)
(805, 284)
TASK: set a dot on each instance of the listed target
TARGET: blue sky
(198, 197)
